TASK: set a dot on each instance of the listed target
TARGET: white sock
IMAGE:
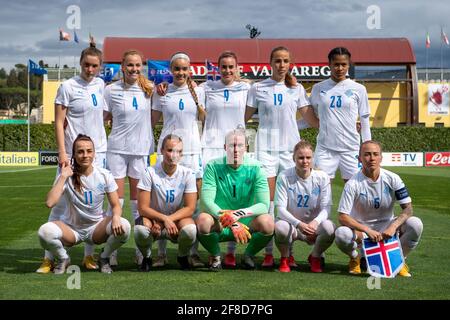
(134, 209)
(50, 238)
(162, 244)
(186, 239)
(325, 238)
(269, 247)
(115, 242)
(143, 240)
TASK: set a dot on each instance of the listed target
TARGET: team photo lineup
(205, 187)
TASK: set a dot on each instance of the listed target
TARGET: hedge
(401, 139)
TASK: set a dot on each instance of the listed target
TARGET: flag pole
(426, 59)
(442, 70)
(28, 107)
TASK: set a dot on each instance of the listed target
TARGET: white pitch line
(31, 169)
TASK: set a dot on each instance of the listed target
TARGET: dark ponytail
(76, 168)
(289, 80)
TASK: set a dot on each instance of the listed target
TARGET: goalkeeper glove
(241, 232)
(229, 217)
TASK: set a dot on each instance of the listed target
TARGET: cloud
(28, 30)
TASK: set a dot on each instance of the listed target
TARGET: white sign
(438, 99)
(402, 159)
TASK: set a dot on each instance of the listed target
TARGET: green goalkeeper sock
(210, 242)
(257, 243)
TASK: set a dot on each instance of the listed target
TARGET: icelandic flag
(385, 258)
(34, 68)
(159, 71)
(63, 36)
(109, 71)
(212, 72)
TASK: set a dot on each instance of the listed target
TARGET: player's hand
(227, 218)
(389, 232)
(373, 235)
(116, 226)
(162, 88)
(155, 229)
(171, 227)
(306, 229)
(358, 127)
(241, 232)
(62, 158)
(66, 170)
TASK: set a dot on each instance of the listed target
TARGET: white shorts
(212, 153)
(100, 159)
(191, 161)
(126, 165)
(329, 161)
(84, 234)
(273, 162)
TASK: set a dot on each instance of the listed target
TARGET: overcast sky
(29, 29)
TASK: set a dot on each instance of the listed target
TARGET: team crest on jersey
(101, 187)
(349, 93)
(316, 191)
(182, 186)
(387, 190)
(248, 181)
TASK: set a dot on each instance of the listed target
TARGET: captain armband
(401, 194)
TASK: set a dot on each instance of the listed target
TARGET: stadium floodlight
(254, 32)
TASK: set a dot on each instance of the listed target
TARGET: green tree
(3, 74)
(12, 80)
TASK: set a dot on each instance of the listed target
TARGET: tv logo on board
(396, 157)
(441, 159)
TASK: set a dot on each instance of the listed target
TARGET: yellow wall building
(387, 102)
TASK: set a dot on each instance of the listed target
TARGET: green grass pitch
(22, 211)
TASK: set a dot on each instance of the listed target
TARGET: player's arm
(190, 201)
(364, 115)
(406, 213)
(402, 196)
(60, 117)
(116, 225)
(156, 115)
(249, 112)
(310, 117)
(347, 220)
(281, 202)
(57, 190)
(145, 210)
(325, 201)
(208, 194)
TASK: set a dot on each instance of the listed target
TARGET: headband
(180, 55)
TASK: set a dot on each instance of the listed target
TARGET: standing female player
(303, 202)
(79, 109)
(130, 143)
(181, 107)
(225, 103)
(277, 100)
(338, 102)
(84, 187)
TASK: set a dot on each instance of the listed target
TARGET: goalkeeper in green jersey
(234, 203)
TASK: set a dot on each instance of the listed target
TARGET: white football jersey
(277, 108)
(85, 104)
(167, 192)
(372, 202)
(303, 198)
(225, 107)
(338, 106)
(86, 208)
(180, 116)
(131, 119)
